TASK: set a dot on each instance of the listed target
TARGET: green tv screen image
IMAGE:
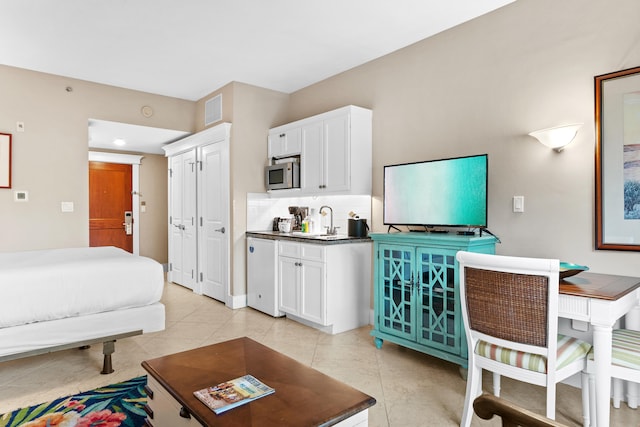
(446, 192)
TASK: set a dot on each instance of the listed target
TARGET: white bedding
(45, 285)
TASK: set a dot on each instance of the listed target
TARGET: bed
(64, 298)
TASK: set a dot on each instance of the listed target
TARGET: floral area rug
(115, 405)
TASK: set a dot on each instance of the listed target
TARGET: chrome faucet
(332, 230)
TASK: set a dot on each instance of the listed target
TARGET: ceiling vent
(213, 110)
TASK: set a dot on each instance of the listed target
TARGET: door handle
(221, 230)
(179, 226)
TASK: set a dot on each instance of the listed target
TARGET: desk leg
(602, 355)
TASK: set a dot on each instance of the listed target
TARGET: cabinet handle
(148, 411)
(149, 392)
(184, 413)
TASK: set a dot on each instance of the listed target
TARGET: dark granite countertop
(308, 238)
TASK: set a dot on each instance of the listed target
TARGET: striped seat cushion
(569, 350)
(626, 348)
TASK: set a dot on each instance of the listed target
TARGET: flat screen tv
(437, 193)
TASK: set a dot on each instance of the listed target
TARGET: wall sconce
(557, 137)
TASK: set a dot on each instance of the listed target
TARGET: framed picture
(617, 116)
(5, 160)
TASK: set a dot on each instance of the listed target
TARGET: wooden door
(109, 200)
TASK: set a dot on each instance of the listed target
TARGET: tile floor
(411, 389)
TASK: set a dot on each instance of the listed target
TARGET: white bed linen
(38, 286)
(34, 336)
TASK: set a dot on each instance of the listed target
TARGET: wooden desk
(600, 300)
(303, 397)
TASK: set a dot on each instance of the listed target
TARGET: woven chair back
(509, 306)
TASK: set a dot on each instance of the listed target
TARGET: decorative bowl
(568, 269)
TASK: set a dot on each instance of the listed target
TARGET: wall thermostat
(21, 196)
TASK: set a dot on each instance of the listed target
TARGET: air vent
(213, 110)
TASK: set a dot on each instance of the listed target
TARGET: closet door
(213, 202)
(182, 219)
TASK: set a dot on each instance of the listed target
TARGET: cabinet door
(288, 284)
(284, 143)
(311, 179)
(396, 290)
(313, 291)
(336, 157)
(438, 307)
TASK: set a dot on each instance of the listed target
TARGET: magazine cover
(230, 394)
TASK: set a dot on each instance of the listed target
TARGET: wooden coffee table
(303, 397)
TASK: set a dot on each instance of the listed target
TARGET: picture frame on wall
(5, 160)
(617, 160)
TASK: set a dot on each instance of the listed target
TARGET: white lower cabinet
(325, 286)
(163, 410)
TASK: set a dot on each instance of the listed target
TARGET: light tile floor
(411, 389)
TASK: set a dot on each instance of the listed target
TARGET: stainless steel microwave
(282, 176)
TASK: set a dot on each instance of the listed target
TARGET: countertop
(308, 238)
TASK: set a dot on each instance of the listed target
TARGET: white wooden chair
(625, 365)
(510, 313)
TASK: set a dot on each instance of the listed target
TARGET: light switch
(66, 206)
(518, 203)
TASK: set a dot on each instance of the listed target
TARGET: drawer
(289, 249)
(312, 252)
(165, 409)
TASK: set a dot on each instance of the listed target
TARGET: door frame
(134, 161)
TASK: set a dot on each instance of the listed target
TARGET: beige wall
(154, 239)
(50, 158)
(252, 111)
(481, 88)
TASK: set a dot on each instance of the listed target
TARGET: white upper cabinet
(335, 151)
(284, 143)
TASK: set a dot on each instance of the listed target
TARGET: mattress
(34, 336)
(46, 285)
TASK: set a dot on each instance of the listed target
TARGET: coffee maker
(299, 214)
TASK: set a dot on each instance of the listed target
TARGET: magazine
(232, 393)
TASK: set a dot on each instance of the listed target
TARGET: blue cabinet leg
(378, 342)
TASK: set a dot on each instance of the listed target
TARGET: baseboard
(236, 301)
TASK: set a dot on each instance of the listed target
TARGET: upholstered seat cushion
(569, 350)
(626, 348)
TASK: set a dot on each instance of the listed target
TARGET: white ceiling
(139, 139)
(188, 49)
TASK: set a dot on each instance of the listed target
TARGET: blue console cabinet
(416, 291)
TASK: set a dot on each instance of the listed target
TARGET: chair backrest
(510, 301)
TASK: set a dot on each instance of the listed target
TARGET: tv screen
(446, 192)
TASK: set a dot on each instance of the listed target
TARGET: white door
(336, 154)
(311, 179)
(213, 220)
(312, 287)
(182, 217)
(289, 284)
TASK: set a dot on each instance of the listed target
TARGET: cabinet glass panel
(395, 271)
(438, 297)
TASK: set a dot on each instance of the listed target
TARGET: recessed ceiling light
(119, 142)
